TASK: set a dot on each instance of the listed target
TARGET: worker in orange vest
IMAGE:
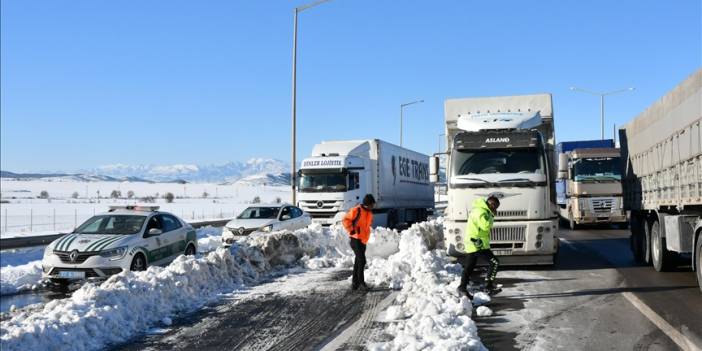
(357, 223)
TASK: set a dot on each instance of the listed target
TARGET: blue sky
(88, 83)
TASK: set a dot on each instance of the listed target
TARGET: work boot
(491, 289)
(463, 291)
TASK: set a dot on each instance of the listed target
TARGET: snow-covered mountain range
(257, 170)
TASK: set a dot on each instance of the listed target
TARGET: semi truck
(589, 188)
(340, 173)
(662, 167)
(502, 146)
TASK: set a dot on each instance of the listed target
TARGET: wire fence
(16, 221)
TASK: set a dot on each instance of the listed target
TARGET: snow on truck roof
(491, 121)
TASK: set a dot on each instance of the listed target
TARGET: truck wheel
(636, 238)
(646, 243)
(661, 257)
(698, 257)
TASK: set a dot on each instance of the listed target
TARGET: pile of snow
(14, 279)
(208, 238)
(428, 313)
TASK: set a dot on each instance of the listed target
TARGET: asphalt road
(300, 313)
(585, 301)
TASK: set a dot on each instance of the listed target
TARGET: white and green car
(125, 238)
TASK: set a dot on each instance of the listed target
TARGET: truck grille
(319, 205)
(322, 214)
(602, 205)
(515, 233)
(515, 213)
(80, 258)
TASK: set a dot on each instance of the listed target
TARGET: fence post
(54, 219)
(193, 217)
(31, 219)
(5, 220)
(75, 218)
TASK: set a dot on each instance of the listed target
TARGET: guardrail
(39, 240)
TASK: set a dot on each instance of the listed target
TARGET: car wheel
(661, 257)
(138, 263)
(190, 250)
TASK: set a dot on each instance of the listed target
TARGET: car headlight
(48, 251)
(267, 228)
(114, 254)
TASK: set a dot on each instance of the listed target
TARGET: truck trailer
(589, 188)
(340, 173)
(502, 146)
(662, 167)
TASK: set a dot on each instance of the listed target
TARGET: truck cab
(503, 146)
(589, 189)
(329, 184)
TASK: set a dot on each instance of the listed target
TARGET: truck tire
(662, 259)
(698, 257)
(646, 243)
(636, 238)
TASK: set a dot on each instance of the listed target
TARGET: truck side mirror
(434, 169)
(562, 165)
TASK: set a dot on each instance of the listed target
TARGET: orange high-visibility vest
(362, 229)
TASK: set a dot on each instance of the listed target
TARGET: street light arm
(585, 91)
(310, 5)
(411, 103)
(618, 91)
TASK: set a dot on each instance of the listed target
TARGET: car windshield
(323, 182)
(595, 169)
(259, 213)
(498, 161)
(112, 224)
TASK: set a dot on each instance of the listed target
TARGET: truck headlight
(267, 228)
(114, 254)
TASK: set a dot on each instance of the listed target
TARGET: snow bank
(483, 311)
(208, 239)
(14, 279)
(428, 313)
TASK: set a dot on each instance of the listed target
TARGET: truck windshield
(596, 169)
(322, 182)
(498, 161)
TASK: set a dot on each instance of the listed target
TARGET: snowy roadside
(426, 314)
(20, 269)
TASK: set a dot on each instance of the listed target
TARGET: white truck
(662, 167)
(589, 187)
(503, 146)
(340, 173)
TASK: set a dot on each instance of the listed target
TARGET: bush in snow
(130, 194)
(278, 200)
(74, 195)
(44, 194)
(169, 197)
(256, 200)
(116, 194)
(205, 195)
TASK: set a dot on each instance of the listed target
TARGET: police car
(125, 238)
(265, 218)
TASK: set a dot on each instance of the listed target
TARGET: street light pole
(293, 174)
(602, 96)
(440, 135)
(402, 106)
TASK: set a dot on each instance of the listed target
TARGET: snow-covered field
(427, 313)
(26, 214)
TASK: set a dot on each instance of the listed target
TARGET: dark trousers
(471, 259)
(359, 264)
